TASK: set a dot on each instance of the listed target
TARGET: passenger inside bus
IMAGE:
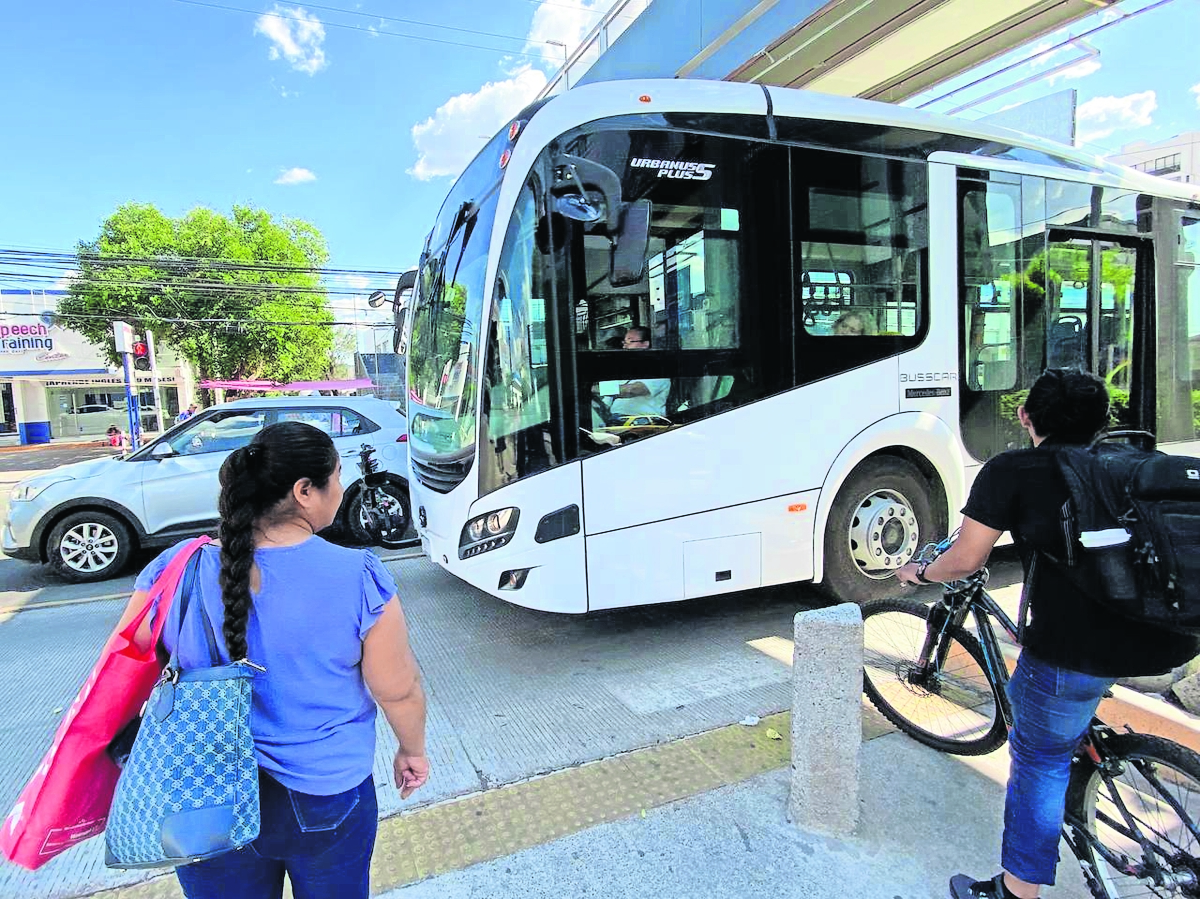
(855, 323)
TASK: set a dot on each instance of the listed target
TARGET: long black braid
(256, 482)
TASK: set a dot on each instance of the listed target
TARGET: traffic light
(141, 355)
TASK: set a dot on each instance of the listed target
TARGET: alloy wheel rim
(89, 547)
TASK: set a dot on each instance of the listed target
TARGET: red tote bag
(68, 798)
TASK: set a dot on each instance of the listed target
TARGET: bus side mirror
(630, 245)
(574, 179)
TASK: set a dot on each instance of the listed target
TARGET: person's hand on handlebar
(965, 556)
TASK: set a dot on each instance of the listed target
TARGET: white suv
(86, 519)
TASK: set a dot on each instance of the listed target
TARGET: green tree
(173, 276)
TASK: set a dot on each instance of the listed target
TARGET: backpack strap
(1026, 589)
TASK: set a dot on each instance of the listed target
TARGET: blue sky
(1138, 79)
(180, 105)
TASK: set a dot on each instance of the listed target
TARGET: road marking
(34, 605)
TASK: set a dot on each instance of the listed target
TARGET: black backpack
(1132, 529)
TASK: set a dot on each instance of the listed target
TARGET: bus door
(1099, 312)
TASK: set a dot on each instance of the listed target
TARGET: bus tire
(880, 518)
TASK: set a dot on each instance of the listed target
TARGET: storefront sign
(32, 343)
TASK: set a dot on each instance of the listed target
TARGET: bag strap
(210, 638)
(166, 586)
(185, 597)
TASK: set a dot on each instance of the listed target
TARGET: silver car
(85, 520)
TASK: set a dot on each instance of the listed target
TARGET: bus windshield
(444, 341)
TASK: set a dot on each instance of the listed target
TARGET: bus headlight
(488, 531)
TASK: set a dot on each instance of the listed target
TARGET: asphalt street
(23, 584)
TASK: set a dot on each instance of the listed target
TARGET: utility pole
(123, 340)
(154, 378)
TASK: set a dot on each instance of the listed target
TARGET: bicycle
(1128, 819)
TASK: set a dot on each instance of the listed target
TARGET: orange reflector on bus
(644, 98)
(797, 507)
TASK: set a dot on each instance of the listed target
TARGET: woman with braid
(327, 625)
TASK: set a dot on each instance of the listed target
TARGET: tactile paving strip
(488, 825)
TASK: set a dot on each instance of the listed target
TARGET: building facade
(1176, 158)
(54, 383)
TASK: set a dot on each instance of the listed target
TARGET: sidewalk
(699, 817)
(11, 442)
(581, 755)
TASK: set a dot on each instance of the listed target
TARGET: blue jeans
(323, 843)
(1052, 708)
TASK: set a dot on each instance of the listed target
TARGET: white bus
(674, 339)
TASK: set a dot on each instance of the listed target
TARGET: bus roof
(599, 100)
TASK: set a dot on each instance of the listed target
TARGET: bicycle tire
(1088, 795)
(962, 701)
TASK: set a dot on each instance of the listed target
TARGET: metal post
(154, 376)
(131, 402)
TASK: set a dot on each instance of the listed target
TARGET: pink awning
(348, 384)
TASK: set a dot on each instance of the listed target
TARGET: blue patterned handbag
(190, 788)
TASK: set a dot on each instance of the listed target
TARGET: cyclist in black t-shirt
(1074, 649)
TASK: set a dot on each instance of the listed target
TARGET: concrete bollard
(826, 719)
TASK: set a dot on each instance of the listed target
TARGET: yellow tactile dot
(505, 820)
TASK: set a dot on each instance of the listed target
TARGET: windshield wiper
(465, 216)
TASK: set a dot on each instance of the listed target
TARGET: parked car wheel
(394, 500)
(89, 546)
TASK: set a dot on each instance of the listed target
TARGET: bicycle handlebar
(931, 551)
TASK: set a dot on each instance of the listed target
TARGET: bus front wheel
(878, 521)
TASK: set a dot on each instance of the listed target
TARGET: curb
(34, 447)
(1147, 713)
(1150, 714)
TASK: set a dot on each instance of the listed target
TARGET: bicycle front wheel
(952, 706)
(1139, 811)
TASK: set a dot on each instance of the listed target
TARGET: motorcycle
(378, 513)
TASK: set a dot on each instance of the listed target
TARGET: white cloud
(1081, 69)
(448, 139)
(1195, 89)
(451, 137)
(295, 176)
(565, 21)
(66, 280)
(1087, 65)
(1101, 116)
(358, 282)
(295, 35)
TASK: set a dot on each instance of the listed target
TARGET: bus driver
(647, 396)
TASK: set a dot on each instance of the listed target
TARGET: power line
(153, 319)
(414, 37)
(232, 264)
(369, 15)
(207, 287)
